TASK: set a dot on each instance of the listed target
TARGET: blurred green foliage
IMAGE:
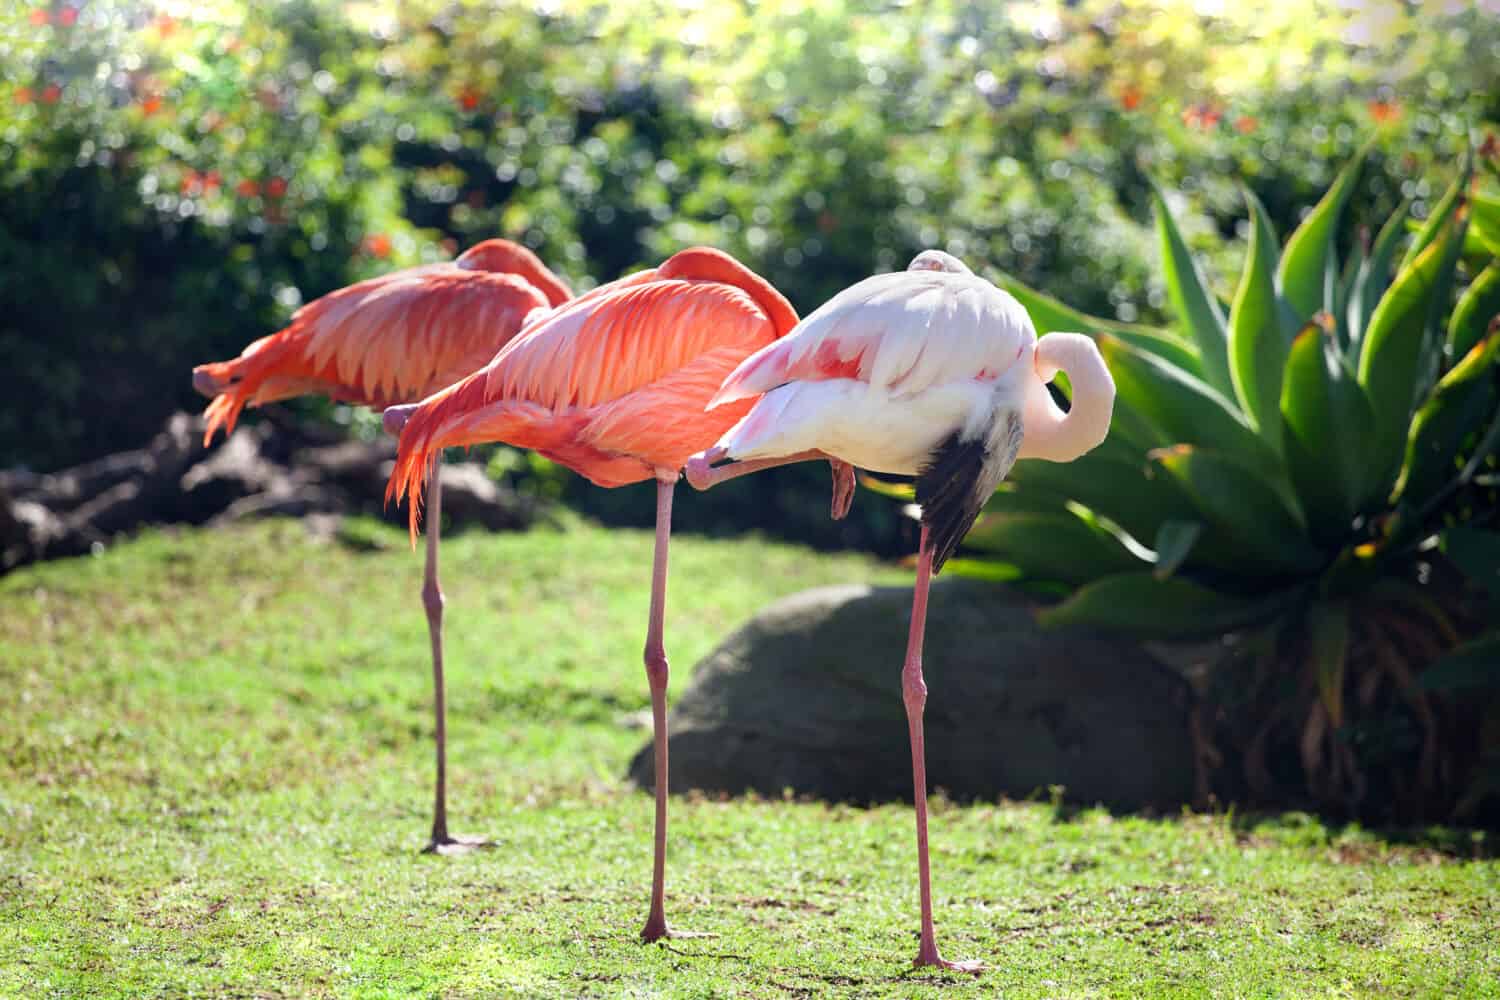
(175, 180)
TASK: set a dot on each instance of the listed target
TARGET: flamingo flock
(931, 372)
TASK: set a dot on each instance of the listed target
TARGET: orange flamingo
(394, 339)
(614, 385)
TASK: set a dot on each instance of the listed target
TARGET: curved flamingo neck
(1051, 433)
(708, 264)
(512, 258)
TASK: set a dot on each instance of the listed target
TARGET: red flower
(1202, 116)
(1245, 124)
(67, 17)
(211, 181)
(151, 105)
(276, 187)
(468, 99)
(1384, 111)
(24, 95)
(1130, 98)
(191, 183)
(51, 93)
(38, 17)
(247, 188)
(378, 245)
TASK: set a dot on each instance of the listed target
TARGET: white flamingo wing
(905, 332)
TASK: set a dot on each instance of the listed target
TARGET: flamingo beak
(205, 383)
(396, 417)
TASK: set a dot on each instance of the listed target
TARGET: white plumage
(886, 370)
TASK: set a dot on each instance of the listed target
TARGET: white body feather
(886, 370)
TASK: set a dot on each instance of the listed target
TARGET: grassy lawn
(214, 779)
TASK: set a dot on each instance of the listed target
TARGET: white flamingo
(931, 372)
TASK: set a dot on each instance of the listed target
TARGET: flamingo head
(938, 260)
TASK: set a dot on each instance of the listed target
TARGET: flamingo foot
(972, 966)
(656, 929)
(928, 955)
(843, 488)
(451, 846)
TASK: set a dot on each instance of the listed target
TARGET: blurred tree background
(175, 179)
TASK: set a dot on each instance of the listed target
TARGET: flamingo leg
(656, 675)
(914, 693)
(702, 474)
(432, 601)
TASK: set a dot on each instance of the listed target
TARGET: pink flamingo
(932, 372)
(393, 339)
(614, 386)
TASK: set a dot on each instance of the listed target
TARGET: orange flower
(276, 187)
(1202, 116)
(191, 183)
(165, 24)
(378, 245)
(51, 93)
(247, 188)
(1384, 111)
(211, 181)
(1245, 124)
(38, 17)
(151, 105)
(468, 99)
(1130, 98)
(24, 95)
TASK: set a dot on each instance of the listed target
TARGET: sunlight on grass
(215, 778)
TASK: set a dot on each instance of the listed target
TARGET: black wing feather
(955, 484)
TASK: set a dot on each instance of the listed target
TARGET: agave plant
(1311, 476)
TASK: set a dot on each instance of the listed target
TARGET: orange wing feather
(387, 340)
(614, 384)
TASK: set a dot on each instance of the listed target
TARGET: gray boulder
(807, 697)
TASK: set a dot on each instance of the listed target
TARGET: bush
(1313, 472)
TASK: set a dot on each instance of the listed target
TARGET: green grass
(214, 779)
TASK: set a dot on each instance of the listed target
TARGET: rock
(234, 470)
(288, 500)
(470, 496)
(27, 529)
(807, 697)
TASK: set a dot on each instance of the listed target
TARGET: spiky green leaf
(1051, 546)
(1238, 504)
(1326, 426)
(1374, 278)
(1048, 315)
(1257, 342)
(1327, 652)
(1140, 604)
(1476, 310)
(1457, 408)
(1449, 203)
(1174, 542)
(1392, 365)
(1194, 302)
(1304, 261)
(1181, 407)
